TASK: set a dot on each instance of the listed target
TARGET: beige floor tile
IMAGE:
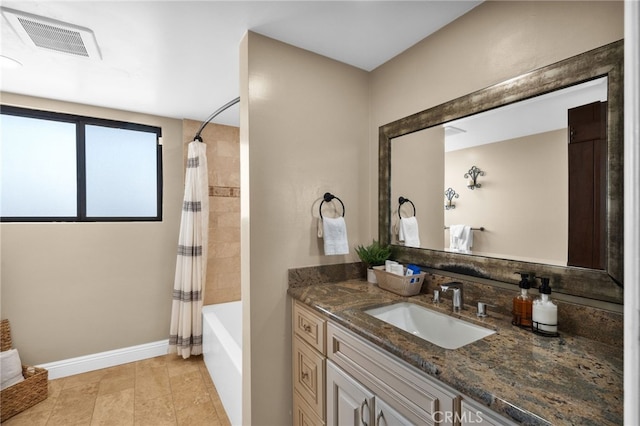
(29, 418)
(75, 404)
(164, 390)
(116, 384)
(178, 366)
(203, 414)
(217, 404)
(153, 384)
(84, 379)
(55, 386)
(79, 392)
(206, 377)
(115, 409)
(188, 382)
(155, 412)
(124, 370)
(222, 416)
(191, 399)
(151, 363)
(72, 412)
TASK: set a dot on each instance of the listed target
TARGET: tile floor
(165, 390)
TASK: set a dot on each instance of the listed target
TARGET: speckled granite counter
(525, 377)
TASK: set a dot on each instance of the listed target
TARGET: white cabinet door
(387, 416)
(348, 402)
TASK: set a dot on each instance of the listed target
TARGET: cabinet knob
(306, 328)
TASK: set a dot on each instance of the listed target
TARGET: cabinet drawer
(303, 414)
(406, 389)
(309, 375)
(309, 326)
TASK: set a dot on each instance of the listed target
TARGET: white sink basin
(435, 327)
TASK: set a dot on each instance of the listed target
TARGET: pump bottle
(522, 303)
(545, 312)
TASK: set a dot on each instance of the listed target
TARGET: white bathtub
(222, 350)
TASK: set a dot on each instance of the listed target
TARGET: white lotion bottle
(545, 312)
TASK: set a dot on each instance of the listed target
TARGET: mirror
(420, 136)
(520, 195)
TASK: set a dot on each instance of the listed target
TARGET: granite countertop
(529, 378)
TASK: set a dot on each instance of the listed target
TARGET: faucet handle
(482, 309)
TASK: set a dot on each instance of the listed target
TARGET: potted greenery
(372, 255)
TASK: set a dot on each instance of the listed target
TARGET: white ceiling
(180, 59)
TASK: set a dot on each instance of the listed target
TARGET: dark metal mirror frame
(603, 285)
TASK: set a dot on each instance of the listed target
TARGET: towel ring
(403, 200)
(329, 197)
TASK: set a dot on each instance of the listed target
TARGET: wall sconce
(472, 175)
(450, 194)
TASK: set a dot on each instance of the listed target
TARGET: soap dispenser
(522, 303)
(545, 312)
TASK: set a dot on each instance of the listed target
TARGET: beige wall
(223, 162)
(523, 201)
(417, 173)
(491, 43)
(307, 134)
(301, 136)
(72, 289)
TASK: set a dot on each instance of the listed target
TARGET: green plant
(374, 254)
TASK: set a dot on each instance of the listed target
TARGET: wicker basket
(403, 285)
(33, 389)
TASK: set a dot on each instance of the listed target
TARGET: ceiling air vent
(54, 35)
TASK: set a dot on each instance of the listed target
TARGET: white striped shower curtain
(185, 333)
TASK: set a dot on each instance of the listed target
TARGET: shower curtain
(185, 334)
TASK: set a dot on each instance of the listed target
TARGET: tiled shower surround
(223, 162)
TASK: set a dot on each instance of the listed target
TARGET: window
(61, 167)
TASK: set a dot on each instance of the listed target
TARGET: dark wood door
(587, 185)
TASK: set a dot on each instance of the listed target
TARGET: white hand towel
(455, 233)
(466, 240)
(335, 236)
(456, 230)
(460, 238)
(409, 232)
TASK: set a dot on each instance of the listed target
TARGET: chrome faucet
(458, 294)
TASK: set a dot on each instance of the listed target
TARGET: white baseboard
(83, 364)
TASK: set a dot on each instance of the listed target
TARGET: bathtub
(222, 351)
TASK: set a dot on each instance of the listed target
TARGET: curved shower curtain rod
(212, 116)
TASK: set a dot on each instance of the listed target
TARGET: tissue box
(402, 285)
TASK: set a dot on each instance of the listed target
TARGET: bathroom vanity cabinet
(341, 379)
(309, 366)
(510, 375)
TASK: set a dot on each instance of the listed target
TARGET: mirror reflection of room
(523, 201)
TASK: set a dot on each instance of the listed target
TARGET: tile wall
(223, 161)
